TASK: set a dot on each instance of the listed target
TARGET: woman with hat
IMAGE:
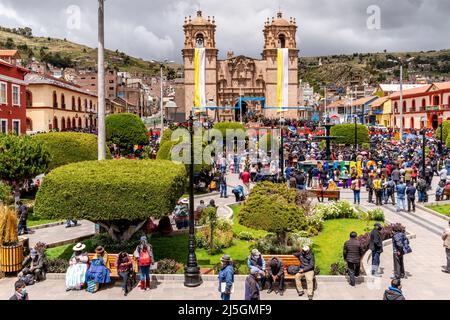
(76, 273)
(99, 272)
(181, 214)
(226, 278)
(144, 257)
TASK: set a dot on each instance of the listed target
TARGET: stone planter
(11, 258)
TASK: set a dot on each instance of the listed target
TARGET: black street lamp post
(192, 277)
(282, 150)
(356, 133)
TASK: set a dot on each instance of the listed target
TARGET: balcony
(433, 108)
(377, 112)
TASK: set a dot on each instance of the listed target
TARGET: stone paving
(425, 280)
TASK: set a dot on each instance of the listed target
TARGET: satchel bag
(293, 270)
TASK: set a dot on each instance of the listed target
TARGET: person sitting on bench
(307, 266)
(276, 273)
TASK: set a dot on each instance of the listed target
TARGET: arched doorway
(237, 113)
(63, 124)
(79, 123)
(434, 121)
(412, 123)
(55, 123)
(74, 123)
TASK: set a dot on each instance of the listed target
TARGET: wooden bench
(112, 258)
(288, 260)
(329, 194)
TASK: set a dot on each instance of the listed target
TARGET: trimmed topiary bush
(119, 195)
(70, 147)
(446, 131)
(272, 207)
(346, 133)
(224, 126)
(125, 129)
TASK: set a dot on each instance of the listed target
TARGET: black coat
(306, 260)
(275, 267)
(353, 251)
(376, 243)
(393, 295)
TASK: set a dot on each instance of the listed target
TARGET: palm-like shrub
(8, 226)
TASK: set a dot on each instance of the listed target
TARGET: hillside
(373, 68)
(64, 53)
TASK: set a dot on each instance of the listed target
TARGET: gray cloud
(153, 29)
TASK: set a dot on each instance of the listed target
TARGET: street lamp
(424, 141)
(355, 116)
(192, 277)
(401, 62)
(171, 105)
(282, 149)
(162, 64)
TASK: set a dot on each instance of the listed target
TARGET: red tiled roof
(442, 85)
(337, 103)
(379, 102)
(9, 53)
(411, 92)
(9, 65)
(362, 101)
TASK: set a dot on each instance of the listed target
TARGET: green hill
(64, 53)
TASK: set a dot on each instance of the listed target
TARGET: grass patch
(238, 228)
(442, 209)
(328, 245)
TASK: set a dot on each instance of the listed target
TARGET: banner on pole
(282, 79)
(199, 74)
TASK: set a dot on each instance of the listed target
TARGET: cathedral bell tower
(280, 33)
(199, 33)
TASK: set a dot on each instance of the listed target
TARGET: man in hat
(376, 246)
(252, 288)
(226, 278)
(34, 265)
(307, 266)
(20, 291)
(256, 260)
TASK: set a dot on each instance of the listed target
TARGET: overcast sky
(153, 28)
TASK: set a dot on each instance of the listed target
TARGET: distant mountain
(64, 53)
(344, 70)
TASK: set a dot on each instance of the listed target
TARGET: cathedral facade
(226, 81)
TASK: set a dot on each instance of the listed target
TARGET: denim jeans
(223, 169)
(402, 201)
(22, 227)
(223, 191)
(225, 297)
(357, 196)
(421, 196)
(124, 277)
(376, 258)
(301, 187)
(144, 273)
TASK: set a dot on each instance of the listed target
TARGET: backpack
(293, 270)
(406, 247)
(28, 280)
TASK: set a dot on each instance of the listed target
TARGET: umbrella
(364, 153)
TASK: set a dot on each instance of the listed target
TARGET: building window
(16, 126)
(3, 93)
(3, 126)
(79, 104)
(15, 95)
(74, 107)
(281, 41)
(55, 100)
(63, 101)
(199, 41)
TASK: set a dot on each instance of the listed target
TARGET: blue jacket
(259, 263)
(401, 191)
(226, 274)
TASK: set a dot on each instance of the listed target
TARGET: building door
(16, 127)
(237, 114)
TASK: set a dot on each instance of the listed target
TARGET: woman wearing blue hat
(144, 257)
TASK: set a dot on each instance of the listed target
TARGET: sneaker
(445, 271)
(269, 291)
(281, 293)
(310, 297)
(300, 294)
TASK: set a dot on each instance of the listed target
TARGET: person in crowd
(411, 196)
(226, 278)
(443, 174)
(223, 186)
(390, 192)
(252, 288)
(238, 192)
(369, 188)
(376, 246)
(181, 214)
(78, 265)
(446, 239)
(275, 273)
(22, 213)
(377, 187)
(144, 258)
(20, 291)
(34, 264)
(245, 177)
(422, 190)
(356, 187)
(353, 253)
(124, 267)
(256, 260)
(400, 245)
(401, 196)
(394, 292)
(100, 269)
(307, 266)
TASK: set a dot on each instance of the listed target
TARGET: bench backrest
(112, 258)
(288, 260)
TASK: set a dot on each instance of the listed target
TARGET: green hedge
(346, 133)
(224, 126)
(166, 137)
(126, 129)
(114, 192)
(70, 147)
(446, 127)
(272, 207)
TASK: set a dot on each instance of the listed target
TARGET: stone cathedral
(238, 75)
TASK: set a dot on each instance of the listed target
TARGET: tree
(9, 44)
(119, 195)
(273, 208)
(21, 158)
(346, 134)
(446, 131)
(125, 129)
(69, 147)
